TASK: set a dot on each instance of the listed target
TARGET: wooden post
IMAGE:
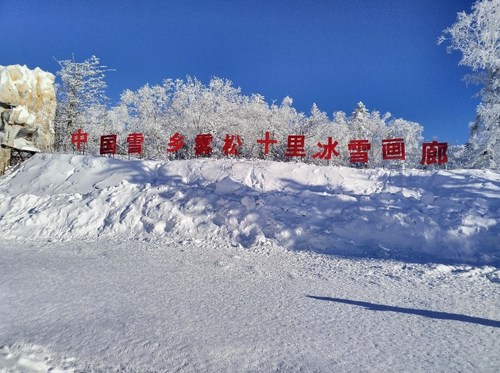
(5, 153)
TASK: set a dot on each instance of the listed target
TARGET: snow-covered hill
(111, 265)
(413, 214)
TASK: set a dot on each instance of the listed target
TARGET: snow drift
(450, 216)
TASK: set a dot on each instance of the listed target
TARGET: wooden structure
(10, 157)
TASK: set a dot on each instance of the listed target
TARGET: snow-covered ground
(252, 266)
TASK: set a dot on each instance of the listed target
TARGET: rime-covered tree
(320, 128)
(145, 111)
(285, 120)
(253, 121)
(318, 123)
(340, 132)
(364, 125)
(81, 90)
(190, 108)
(411, 132)
(214, 109)
(374, 127)
(477, 37)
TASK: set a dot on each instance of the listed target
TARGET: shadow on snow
(413, 311)
(445, 217)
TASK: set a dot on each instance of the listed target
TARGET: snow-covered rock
(29, 97)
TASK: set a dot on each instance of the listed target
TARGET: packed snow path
(193, 306)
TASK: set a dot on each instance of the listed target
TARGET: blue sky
(334, 53)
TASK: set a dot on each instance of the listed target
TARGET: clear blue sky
(331, 52)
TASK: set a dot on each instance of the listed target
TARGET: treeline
(190, 108)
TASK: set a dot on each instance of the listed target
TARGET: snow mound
(450, 216)
(36, 361)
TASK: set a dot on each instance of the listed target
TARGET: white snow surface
(210, 265)
(444, 215)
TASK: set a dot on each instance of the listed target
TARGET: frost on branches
(172, 116)
(81, 98)
(477, 37)
(187, 109)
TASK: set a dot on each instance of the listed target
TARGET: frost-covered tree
(317, 123)
(81, 90)
(253, 121)
(374, 127)
(411, 132)
(364, 125)
(285, 120)
(145, 111)
(206, 109)
(477, 37)
(319, 126)
(360, 121)
(191, 108)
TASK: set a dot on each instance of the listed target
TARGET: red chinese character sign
(232, 144)
(393, 149)
(266, 141)
(358, 150)
(203, 144)
(79, 138)
(296, 146)
(328, 150)
(135, 141)
(108, 144)
(434, 152)
(175, 143)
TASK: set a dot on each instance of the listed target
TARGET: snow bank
(412, 214)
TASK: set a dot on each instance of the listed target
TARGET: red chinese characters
(358, 150)
(266, 142)
(232, 144)
(108, 144)
(393, 149)
(328, 150)
(135, 141)
(434, 152)
(175, 143)
(79, 138)
(296, 146)
(203, 144)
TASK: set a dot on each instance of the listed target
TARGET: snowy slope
(231, 266)
(418, 215)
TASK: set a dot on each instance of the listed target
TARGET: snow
(238, 265)
(439, 215)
